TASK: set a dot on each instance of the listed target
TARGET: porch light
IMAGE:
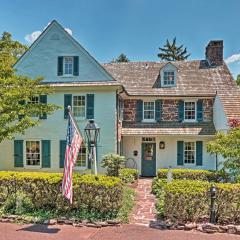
(162, 145)
(92, 132)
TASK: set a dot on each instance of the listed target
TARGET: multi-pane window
(79, 106)
(33, 153)
(190, 111)
(168, 78)
(82, 157)
(68, 65)
(189, 152)
(34, 100)
(149, 110)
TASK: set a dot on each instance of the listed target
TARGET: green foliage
(189, 200)
(227, 145)
(171, 52)
(16, 90)
(190, 174)
(113, 163)
(127, 205)
(121, 58)
(238, 80)
(99, 194)
(128, 175)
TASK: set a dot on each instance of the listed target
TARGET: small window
(149, 110)
(169, 78)
(79, 106)
(33, 153)
(190, 111)
(189, 152)
(82, 158)
(68, 65)
(34, 100)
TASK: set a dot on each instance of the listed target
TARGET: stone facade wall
(169, 110)
(129, 112)
(207, 110)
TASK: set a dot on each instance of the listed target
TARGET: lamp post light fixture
(213, 193)
(92, 133)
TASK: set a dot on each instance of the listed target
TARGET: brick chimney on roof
(214, 52)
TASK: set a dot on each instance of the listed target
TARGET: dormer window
(169, 78)
(168, 75)
(68, 65)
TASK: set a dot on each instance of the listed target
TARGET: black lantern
(213, 193)
(92, 132)
(162, 145)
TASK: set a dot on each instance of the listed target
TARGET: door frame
(155, 158)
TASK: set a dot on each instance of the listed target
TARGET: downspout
(216, 162)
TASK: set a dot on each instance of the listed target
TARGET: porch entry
(148, 158)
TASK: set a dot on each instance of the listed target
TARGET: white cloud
(233, 58)
(30, 38)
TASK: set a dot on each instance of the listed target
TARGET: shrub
(113, 163)
(190, 174)
(128, 175)
(188, 200)
(101, 194)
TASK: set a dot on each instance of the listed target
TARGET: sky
(137, 28)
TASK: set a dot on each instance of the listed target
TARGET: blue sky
(137, 28)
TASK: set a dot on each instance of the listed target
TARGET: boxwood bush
(128, 175)
(189, 200)
(192, 174)
(102, 194)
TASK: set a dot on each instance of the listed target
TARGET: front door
(148, 159)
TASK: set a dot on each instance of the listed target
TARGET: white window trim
(195, 154)
(25, 156)
(68, 75)
(162, 79)
(191, 120)
(78, 168)
(148, 120)
(78, 95)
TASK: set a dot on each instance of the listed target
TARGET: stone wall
(169, 110)
(207, 110)
(129, 112)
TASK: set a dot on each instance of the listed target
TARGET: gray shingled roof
(194, 78)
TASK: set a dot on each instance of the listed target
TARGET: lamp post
(92, 133)
(213, 192)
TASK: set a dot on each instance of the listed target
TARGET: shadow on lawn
(40, 228)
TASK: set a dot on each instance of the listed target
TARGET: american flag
(74, 142)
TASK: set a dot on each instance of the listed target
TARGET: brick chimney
(214, 53)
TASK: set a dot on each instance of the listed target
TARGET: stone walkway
(144, 210)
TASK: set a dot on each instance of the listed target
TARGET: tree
(238, 80)
(16, 91)
(121, 58)
(171, 52)
(227, 145)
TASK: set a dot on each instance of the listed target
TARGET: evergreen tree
(171, 52)
(121, 58)
(238, 80)
(16, 90)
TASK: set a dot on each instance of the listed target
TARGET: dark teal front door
(148, 159)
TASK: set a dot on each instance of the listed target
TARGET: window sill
(149, 121)
(190, 121)
(68, 76)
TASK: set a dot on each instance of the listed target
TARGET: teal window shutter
(180, 145)
(158, 110)
(139, 113)
(76, 66)
(67, 102)
(60, 66)
(18, 153)
(46, 153)
(200, 110)
(43, 100)
(90, 106)
(20, 117)
(199, 153)
(181, 110)
(62, 153)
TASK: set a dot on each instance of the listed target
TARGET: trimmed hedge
(95, 193)
(128, 175)
(192, 174)
(186, 200)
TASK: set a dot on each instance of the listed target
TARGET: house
(79, 81)
(157, 114)
(171, 110)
